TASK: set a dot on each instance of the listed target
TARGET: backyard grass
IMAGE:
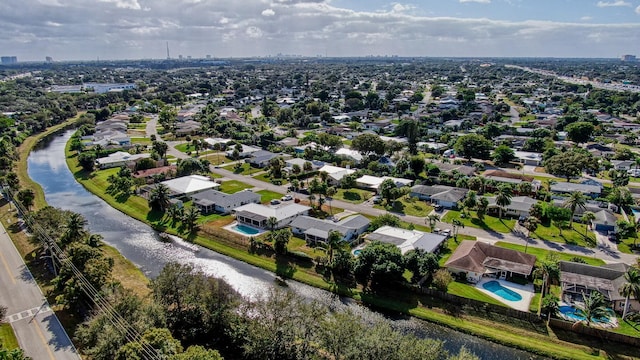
(297, 244)
(354, 196)
(573, 236)
(233, 186)
(470, 292)
(489, 223)
(7, 337)
(408, 206)
(542, 254)
(267, 178)
(244, 169)
(268, 195)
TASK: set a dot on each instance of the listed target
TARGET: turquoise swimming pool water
(357, 252)
(571, 313)
(501, 291)
(247, 230)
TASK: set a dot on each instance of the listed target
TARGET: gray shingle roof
(225, 200)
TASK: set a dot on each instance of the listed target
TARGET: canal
(141, 245)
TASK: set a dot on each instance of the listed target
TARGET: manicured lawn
(244, 169)
(218, 158)
(408, 206)
(300, 245)
(233, 186)
(535, 303)
(626, 244)
(203, 219)
(140, 140)
(470, 292)
(574, 236)
(7, 337)
(186, 147)
(542, 254)
(489, 223)
(627, 327)
(355, 196)
(268, 195)
(266, 178)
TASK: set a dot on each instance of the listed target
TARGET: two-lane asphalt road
(37, 328)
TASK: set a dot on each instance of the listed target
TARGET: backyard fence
(478, 305)
(595, 332)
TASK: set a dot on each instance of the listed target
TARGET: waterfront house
(317, 230)
(189, 185)
(216, 201)
(256, 215)
(407, 240)
(118, 159)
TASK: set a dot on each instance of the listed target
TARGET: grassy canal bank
(535, 338)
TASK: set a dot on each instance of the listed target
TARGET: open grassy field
(233, 186)
(542, 254)
(355, 196)
(408, 206)
(268, 195)
(577, 235)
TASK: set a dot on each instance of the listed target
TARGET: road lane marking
(6, 266)
(44, 341)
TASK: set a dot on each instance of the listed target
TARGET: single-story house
(315, 164)
(246, 151)
(335, 173)
(519, 206)
(261, 158)
(605, 221)
(189, 185)
(476, 259)
(567, 188)
(289, 141)
(119, 158)
(317, 230)
(446, 196)
(211, 142)
(148, 174)
(449, 168)
(189, 127)
(354, 155)
(407, 240)
(256, 215)
(528, 158)
(373, 182)
(622, 164)
(578, 279)
(216, 201)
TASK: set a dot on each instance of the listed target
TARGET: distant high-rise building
(180, 57)
(7, 60)
(168, 56)
(49, 59)
(628, 58)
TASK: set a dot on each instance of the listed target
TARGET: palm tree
(595, 308)
(587, 218)
(190, 219)
(330, 192)
(334, 242)
(531, 224)
(549, 272)
(272, 222)
(574, 201)
(175, 212)
(432, 219)
(457, 224)
(481, 207)
(159, 197)
(630, 288)
(560, 224)
(550, 305)
(503, 198)
(74, 228)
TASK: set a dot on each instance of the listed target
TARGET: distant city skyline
(140, 29)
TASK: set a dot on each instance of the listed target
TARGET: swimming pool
(244, 229)
(357, 252)
(496, 288)
(570, 312)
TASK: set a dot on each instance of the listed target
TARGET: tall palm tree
(74, 228)
(481, 207)
(432, 219)
(531, 224)
(503, 198)
(630, 288)
(575, 201)
(594, 308)
(457, 224)
(331, 190)
(159, 197)
(272, 222)
(334, 242)
(190, 218)
(587, 218)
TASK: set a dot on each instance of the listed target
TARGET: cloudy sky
(134, 29)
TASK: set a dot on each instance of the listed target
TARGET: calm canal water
(141, 244)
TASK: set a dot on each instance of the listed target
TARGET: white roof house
(246, 150)
(336, 173)
(407, 240)
(257, 214)
(189, 185)
(355, 155)
(528, 158)
(213, 141)
(119, 158)
(373, 182)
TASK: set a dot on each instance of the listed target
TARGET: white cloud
(397, 7)
(616, 3)
(254, 32)
(586, 18)
(476, 1)
(638, 10)
(124, 4)
(268, 12)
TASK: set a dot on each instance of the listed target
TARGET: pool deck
(526, 291)
(231, 229)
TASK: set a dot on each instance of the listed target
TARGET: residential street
(37, 328)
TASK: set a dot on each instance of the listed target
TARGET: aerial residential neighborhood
(489, 187)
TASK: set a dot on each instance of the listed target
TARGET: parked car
(286, 198)
(275, 202)
(376, 199)
(438, 207)
(612, 236)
